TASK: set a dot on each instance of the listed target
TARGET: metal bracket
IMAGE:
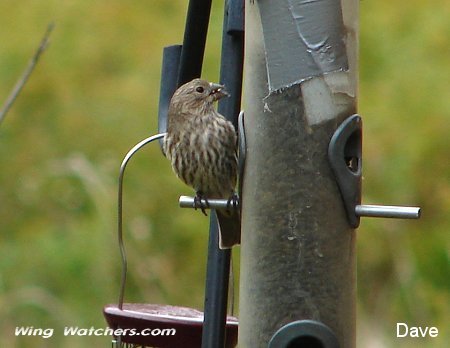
(345, 156)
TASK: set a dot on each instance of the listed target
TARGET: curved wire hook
(123, 166)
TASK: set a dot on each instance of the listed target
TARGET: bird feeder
(300, 158)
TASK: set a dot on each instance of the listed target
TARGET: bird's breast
(203, 155)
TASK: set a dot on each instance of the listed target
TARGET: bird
(201, 145)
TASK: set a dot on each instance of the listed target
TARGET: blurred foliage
(94, 94)
(403, 267)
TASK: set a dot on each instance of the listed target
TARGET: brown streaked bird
(202, 148)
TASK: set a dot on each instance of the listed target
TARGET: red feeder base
(162, 326)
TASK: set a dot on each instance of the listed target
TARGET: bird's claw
(199, 204)
(232, 201)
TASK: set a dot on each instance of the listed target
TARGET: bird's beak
(218, 91)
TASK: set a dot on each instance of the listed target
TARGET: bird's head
(197, 95)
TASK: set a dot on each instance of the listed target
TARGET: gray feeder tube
(298, 259)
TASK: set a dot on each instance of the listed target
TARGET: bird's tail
(229, 228)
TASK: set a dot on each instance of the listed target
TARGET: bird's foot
(233, 201)
(198, 203)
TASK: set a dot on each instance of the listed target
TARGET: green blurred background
(94, 94)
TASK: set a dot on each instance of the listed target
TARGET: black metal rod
(232, 60)
(218, 272)
(216, 290)
(169, 80)
(194, 41)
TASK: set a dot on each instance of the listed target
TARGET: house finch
(202, 148)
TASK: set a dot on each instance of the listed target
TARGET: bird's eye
(200, 89)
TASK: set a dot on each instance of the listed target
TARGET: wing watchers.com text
(92, 331)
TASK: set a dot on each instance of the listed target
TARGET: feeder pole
(196, 29)
(298, 249)
(218, 270)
